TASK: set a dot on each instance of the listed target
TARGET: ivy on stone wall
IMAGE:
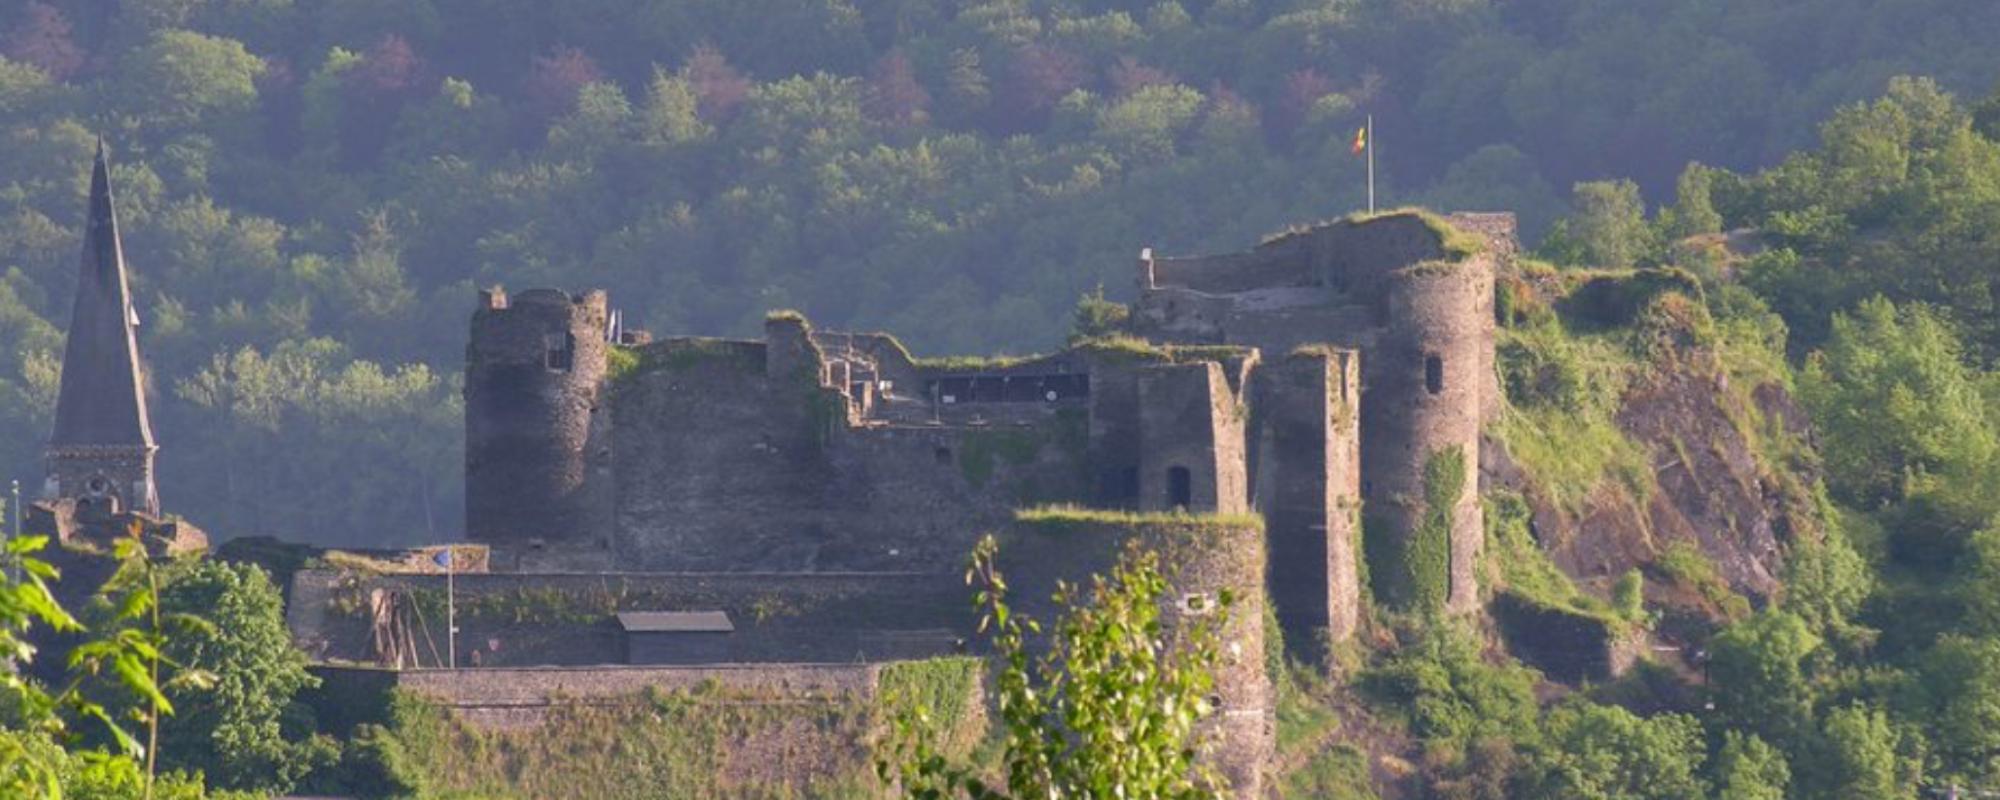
(1411, 570)
(1429, 557)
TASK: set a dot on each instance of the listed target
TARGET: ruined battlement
(1329, 368)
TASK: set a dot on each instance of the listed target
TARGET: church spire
(102, 447)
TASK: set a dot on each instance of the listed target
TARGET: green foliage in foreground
(120, 660)
(1110, 710)
(193, 656)
(234, 731)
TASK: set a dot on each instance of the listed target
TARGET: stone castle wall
(814, 451)
(524, 620)
(1427, 391)
(732, 459)
(796, 730)
(1191, 440)
(1419, 311)
(534, 367)
(1308, 468)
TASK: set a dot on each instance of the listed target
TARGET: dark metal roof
(102, 401)
(675, 622)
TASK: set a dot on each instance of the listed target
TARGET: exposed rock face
(1711, 486)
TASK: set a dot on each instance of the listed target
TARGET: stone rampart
(1191, 448)
(567, 619)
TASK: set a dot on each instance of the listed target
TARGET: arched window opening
(1433, 373)
(1180, 487)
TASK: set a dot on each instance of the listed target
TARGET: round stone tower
(1422, 415)
(533, 370)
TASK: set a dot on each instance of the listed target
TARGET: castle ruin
(811, 496)
(1331, 373)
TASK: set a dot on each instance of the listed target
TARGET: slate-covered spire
(102, 426)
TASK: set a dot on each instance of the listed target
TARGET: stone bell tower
(101, 453)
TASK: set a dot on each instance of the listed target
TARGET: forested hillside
(310, 191)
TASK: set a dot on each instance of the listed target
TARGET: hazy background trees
(320, 186)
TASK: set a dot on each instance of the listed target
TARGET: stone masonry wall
(534, 366)
(1352, 256)
(513, 620)
(719, 467)
(1307, 476)
(518, 697)
(1425, 399)
(725, 458)
(1191, 420)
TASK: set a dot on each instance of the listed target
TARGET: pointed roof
(102, 400)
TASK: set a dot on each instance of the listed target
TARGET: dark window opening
(1180, 487)
(560, 354)
(1128, 485)
(943, 455)
(1433, 373)
(1008, 388)
(97, 486)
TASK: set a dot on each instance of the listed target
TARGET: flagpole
(1368, 143)
(450, 607)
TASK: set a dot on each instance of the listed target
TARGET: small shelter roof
(675, 622)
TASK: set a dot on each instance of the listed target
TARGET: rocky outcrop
(1720, 480)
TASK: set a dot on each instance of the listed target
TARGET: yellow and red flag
(1360, 141)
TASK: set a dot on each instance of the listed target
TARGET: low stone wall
(513, 620)
(1569, 646)
(518, 697)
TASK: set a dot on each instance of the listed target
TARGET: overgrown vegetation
(691, 740)
(1563, 391)
(674, 355)
(192, 655)
(1111, 709)
(1517, 563)
(1427, 562)
(1072, 517)
(1683, 563)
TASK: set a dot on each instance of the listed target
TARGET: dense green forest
(310, 191)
